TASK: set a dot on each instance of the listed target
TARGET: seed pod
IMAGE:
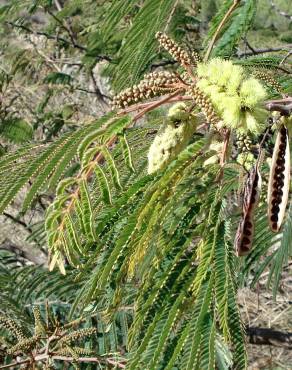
(251, 195)
(279, 180)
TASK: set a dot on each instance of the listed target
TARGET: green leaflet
(139, 47)
(16, 130)
(104, 185)
(218, 18)
(41, 162)
(88, 139)
(239, 24)
(157, 328)
(86, 209)
(45, 169)
(187, 341)
(283, 253)
(207, 349)
(112, 167)
(58, 78)
(32, 168)
(221, 281)
(127, 152)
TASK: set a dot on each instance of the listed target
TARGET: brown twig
(284, 106)
(262, 51)
(225, 147)
(13, 364)
(219, 28)
(98, 93)
(156, 104)
(286, 57)
(43, 357)
(139, 106)
(267, 336)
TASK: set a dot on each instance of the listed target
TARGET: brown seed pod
(279, 180)
(244, 235)
(251, 195)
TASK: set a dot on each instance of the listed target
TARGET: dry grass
(259, 309)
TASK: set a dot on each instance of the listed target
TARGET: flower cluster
(237, 99)
(153, 84)
(172, 138)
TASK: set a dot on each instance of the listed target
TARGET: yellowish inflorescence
(172, 138)
(238, 99)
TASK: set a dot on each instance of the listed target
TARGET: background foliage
(149, 259)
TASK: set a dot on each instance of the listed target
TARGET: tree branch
(45, 34)
(262, 51)
(284, 106)
(265, 336)
(17, 221)
(98, 93)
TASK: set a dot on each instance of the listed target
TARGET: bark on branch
(265, 336)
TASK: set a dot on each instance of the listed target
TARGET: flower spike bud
(279, 180)
(153, 84)
(269, 80)
(204, 103)
(196, 58)
(176, 51)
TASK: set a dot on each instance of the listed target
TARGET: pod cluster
(251, 195)
(278, 190)
(176, 51)
(153, 84)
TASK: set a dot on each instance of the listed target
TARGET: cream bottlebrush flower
(246, 159)
(222, 73)
(172, 138)
(237, 99)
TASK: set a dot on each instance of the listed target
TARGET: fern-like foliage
(139, 48)
(236, 26)
(147, 260)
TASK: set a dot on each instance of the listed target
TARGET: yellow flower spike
(246, 159)
(237, 99)
(172, 138)
(252, 93)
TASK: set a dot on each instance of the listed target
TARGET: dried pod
(244, 235)
(279, 180)
(251, 195)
